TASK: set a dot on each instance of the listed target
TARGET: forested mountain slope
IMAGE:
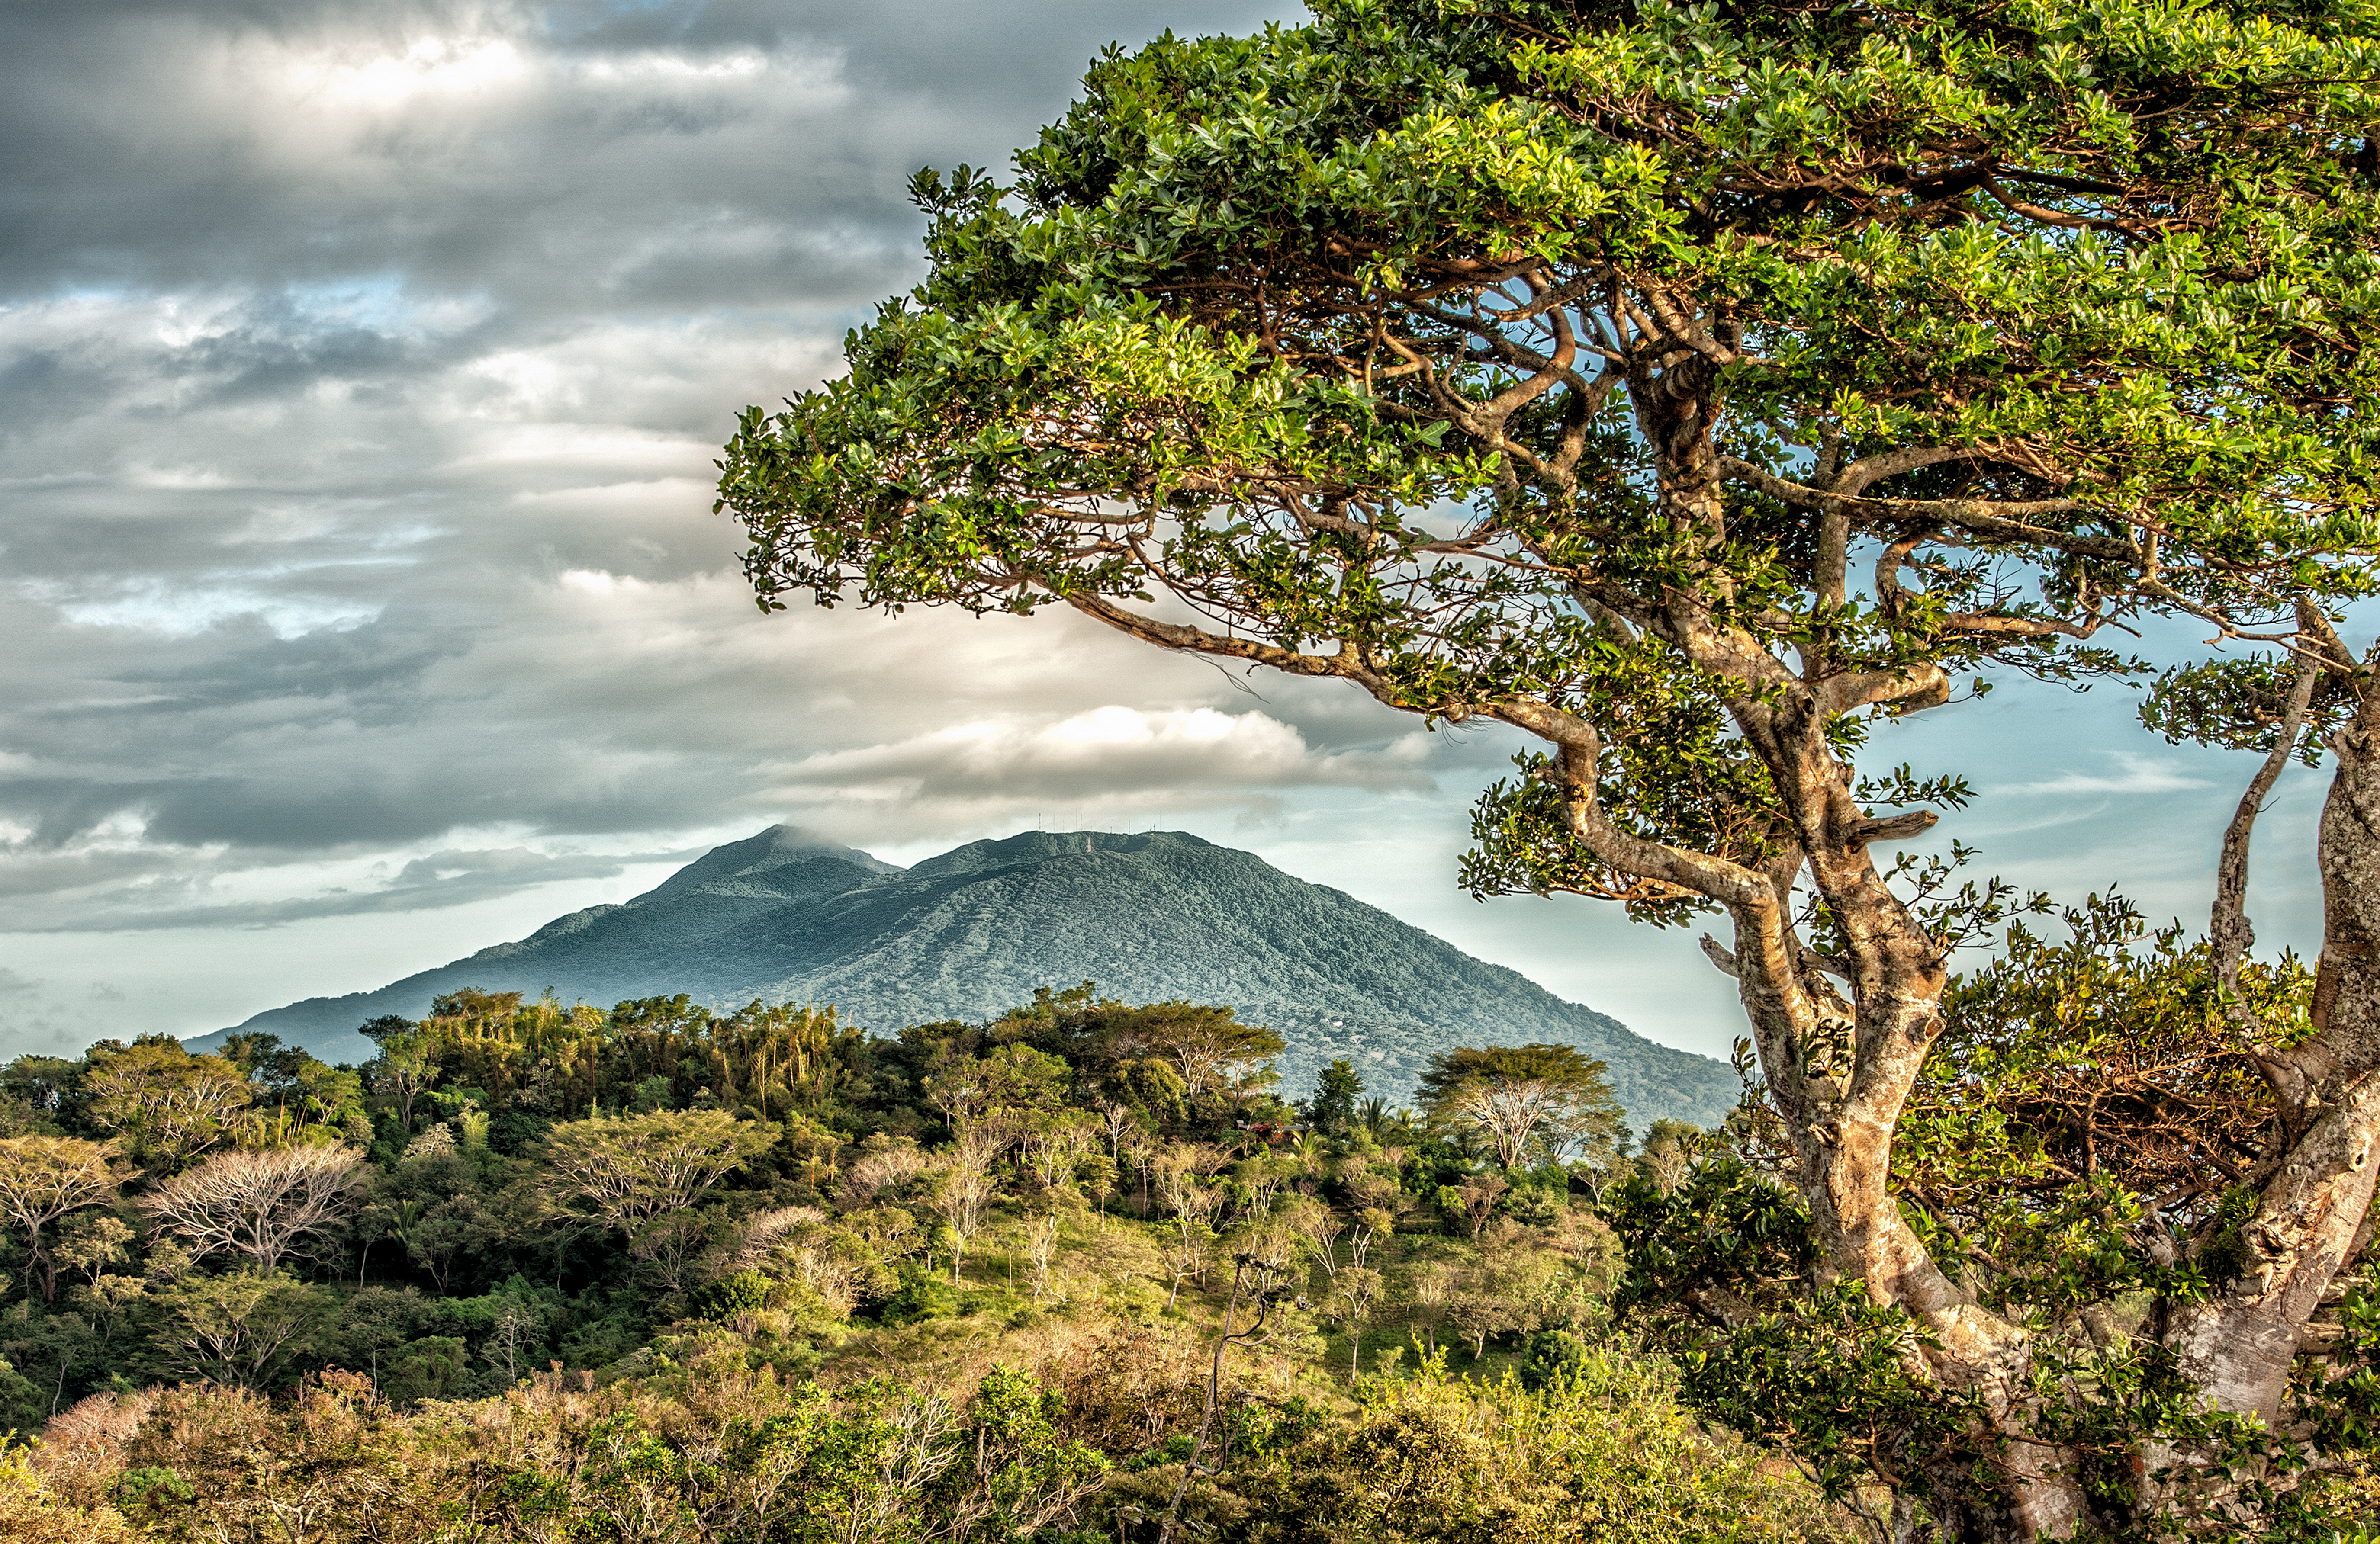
(972, 933)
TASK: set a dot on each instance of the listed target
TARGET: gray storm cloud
(359, 373)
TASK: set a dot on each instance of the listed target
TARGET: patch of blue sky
(384, 303)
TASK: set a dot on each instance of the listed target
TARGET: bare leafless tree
(1319, 1227)
(264, 1204)
(1479, 1194)
(1052, 1149)
(1353, 1297)
(1507, 1112)
(966, 1182)
(1192, 1201)
(884, 1168)
(1041, 1246)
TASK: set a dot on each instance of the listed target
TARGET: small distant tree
(1212, 1048)
(1332, 1108)
(1098, 1175)
(1008, 1078)
(1040, 1247)
(1355, 1294)
(671, 1243)
(37, 1093)
(1204, 1045)
(1258, 1178)
(1147, 1058)
(44, 1179)
(886, 1166)
(1115, 1119)
(1372, 1224)
(1472, 1202)
(243, 1329)
(471, 1004)
(1054, 1147)
(1182, 1187)
(92, 1242)
(292, 1089)
(1670, 1146)
(1475, 1315)
(1547, 1099)
(628, 1170)
(1429, 1286)
(1318, 1228)
(265, 1204)
(514, 1338)
(965, 1184)
(407, 1065)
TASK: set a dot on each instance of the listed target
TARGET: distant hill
(972, 933)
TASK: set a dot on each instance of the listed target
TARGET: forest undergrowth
(540, 1273)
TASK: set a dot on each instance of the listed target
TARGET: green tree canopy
(168, 1104)
(1336, 1089)
(629, 1170)
(1537, 1101)
(44, 1179)
(1185, 1049)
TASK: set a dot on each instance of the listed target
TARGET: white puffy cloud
(1114, 762)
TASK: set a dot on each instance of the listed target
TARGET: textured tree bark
(1844, 1119)
(2312, 1212)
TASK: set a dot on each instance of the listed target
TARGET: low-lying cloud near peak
(1113, 763)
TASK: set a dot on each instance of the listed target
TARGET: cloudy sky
(361, 365)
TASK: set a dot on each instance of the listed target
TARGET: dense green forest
(548, 1272)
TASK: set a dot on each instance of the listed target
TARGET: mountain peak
(756, 865)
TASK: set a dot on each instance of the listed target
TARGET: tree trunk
(1841, 1068)
(2309, 1225)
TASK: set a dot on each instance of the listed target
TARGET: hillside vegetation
(1075, 1272)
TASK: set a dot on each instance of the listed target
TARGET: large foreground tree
(1691, 389)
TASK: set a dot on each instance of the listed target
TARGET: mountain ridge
(970, 932)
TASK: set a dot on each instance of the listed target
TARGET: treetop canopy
(2081, 283)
